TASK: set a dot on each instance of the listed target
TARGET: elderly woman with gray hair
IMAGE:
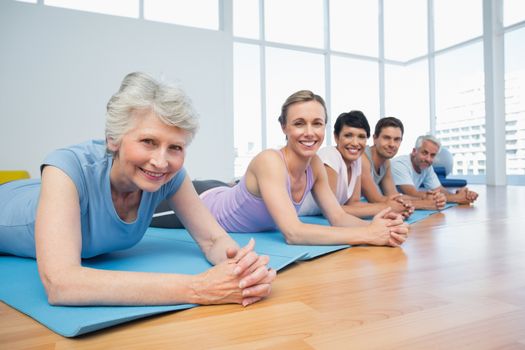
(99, 196)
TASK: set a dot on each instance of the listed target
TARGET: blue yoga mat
(419, 214)
(267, 243)
(161, 250)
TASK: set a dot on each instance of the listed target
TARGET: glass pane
(126, 8)
(296, 22)
(513, 11)
(515, 101)
(355, 85)
(460, 107)
(246, 104)
(288, 71)
(193, 13)
(30, 1)
(353, 26)
(246, 18)
(405, 30)
(406, 98)
(457, 21)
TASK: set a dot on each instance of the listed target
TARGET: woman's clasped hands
(243, 278)
(388, 228)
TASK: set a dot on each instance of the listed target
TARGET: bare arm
(355, 207)
(388, 186)
(217, 245)
(368, 186)
(433, 199)
(67, 282)
(269, 173)
(387, 183)
(411, 191)
(461, 196)
(203, 227)
(390, 193)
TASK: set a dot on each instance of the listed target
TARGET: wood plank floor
(458, 283)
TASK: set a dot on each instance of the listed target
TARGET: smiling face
(149, 155)
(423, 157)
(305, 127)
(351, 143)
(388, 141)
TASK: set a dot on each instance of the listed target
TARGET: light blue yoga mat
(268, 243)
(161, 250)
(419, 214)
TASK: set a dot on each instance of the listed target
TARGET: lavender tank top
(237, 210)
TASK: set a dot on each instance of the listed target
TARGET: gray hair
(140, 91)
(431, 138)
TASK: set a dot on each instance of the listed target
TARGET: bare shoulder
(365, 162)
(388, 163)
(316, 162)
(266, 164)
(266, 159)
(318, 167)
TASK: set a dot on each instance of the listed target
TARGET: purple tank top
(237, 210)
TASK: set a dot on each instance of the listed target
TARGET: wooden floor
(458, 283)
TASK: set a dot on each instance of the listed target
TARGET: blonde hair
(300, 96)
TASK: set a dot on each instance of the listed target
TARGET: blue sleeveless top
(88, 165)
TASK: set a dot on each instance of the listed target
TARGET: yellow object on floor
(10, 175)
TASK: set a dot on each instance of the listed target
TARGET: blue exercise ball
(444, 159)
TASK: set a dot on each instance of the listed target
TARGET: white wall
(59, 67)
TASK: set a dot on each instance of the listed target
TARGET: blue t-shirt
(404, 173)
(88, 165)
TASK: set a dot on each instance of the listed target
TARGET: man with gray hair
(414, 171)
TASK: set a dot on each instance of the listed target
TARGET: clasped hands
(401, 205)
(438, 197)
(466, 196)
(243, 278)
(388, 228)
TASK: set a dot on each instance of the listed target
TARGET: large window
(513, 12)
(338, 55)
(288, 71)
(355, 86)
(460, 107)
(456, 21)
(247, 110)
(353, 26)
(515, 101)
(405, 31)
(246, 18)
(296, 22)
(406, 98)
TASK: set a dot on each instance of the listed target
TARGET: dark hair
(387, 122)
(355, 119)
(300, 96)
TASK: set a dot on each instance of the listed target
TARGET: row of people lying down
(237, 207)
(99, 196)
